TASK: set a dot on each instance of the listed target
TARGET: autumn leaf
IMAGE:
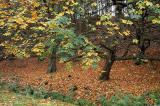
(65, 8)
(135, 41)
(127, 32)
(93, 29)
(61, 14)
(33, 14)
(36, 4)
(23, 26)
(32, 20)
(19, 20)
(98, 23)
(154, 21)
(116, 28)
(120, 34)
(69, 12)
(94, 4)
(140, 5)
(127, 22)
(7, 34)
(41, 28)
(140, 12)
(148, 3)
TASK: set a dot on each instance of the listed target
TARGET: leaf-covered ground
(125, 76)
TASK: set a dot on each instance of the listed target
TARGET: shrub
(56, 95)
(147, 99)
(14, 87)
(83, 102)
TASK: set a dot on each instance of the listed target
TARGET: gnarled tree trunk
(52, 62)
(108, 65)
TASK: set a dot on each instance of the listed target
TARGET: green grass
(14, 99)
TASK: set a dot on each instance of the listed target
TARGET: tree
(30, 29)
(115, 34)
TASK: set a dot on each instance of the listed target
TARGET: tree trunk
(108, 65)
(52, 62)
(1, 53)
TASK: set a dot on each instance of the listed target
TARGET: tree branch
(135, 57)
(104, 46)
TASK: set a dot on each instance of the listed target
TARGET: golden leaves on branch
(126, 21)
(38, 49)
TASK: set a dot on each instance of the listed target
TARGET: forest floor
(124, 76)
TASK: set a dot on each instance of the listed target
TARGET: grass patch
(7, 97)
(15, 99)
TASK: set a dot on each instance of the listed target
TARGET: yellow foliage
(140, 11)
(26, 55)
(61, 14)
(17, 38)
(75, 3)
(88, 63)
(65, 8)
(23, 26)
(126, 15)
(87, 41)
(116, 28)
(148, 3)
(108, 23)
(31, 20)
(40, 45)
(140, 5)
(127, 22)
(3, 5)
(39, 53)
(67, 3)
(135, 41)
(110, 32)
(127, 32)
(120, 33)
(44, 8)
(35, 4)
(7, 34)
(41, 28)
(89, 54)
(52, 40)
(154, 21)
(98, 23)
(33, 14)
(37, 50)
(2, 23)
(19, 21)
(93, 29)
(158, 5)
(94, 4)
(69, 12)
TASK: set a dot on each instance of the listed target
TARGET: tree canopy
(83, 30)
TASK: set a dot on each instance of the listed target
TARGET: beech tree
(30, 28)
(116, 35)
